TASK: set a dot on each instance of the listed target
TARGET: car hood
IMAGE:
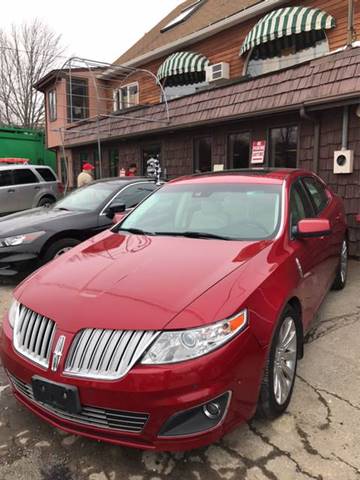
(33, 220)
(131, 281)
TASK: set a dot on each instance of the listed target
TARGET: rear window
(46, 174)
(24, 176)
(5, 178)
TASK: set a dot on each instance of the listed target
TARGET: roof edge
(243, 15)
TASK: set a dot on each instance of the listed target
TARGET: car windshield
(88, 198)
(229, 211)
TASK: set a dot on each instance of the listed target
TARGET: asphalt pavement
(318, 438)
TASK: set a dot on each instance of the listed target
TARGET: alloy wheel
(285, 361)
(344, 261)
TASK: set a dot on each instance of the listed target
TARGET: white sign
(218, 167)
(258, 152)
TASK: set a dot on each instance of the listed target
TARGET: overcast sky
(94, 30)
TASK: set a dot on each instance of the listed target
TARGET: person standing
(86, 176)
(132, 171)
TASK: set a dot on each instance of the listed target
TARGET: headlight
(178, 346)
(20, 239)
(14, 312)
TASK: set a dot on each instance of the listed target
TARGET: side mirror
(313, 228)
(114, 209)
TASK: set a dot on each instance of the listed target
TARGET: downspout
(345, 129)
(351, 27)
(316, 153)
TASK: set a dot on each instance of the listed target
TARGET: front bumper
(159, 392)
(14, 260)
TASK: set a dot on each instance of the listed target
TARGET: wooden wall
(225, 46)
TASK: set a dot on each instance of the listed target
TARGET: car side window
(46, 174)
(297, 208)
(24, 177)
(5, 178)
(133, 195)
(317, 193)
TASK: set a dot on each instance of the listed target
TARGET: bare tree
(27, 53)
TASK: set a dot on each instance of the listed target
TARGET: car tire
(279, 375)
(46, 201)
(59, 247)
(341, 272)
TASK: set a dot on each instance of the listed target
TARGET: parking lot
(318, 438)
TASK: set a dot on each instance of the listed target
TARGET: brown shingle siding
(276, 91)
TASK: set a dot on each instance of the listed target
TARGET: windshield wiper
(191, 234)
(136, 231)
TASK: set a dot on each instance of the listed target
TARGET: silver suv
(27, 186)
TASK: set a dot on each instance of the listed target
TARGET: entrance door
(239, 150)
(203, 154)
(150, 151)
(114, 162)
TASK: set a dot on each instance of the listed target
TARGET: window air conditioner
(219, 71)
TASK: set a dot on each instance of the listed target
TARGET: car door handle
(36, 188)
(11, 190)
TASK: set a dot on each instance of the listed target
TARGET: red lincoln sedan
(186, 318)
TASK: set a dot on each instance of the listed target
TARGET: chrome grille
(106, 354)
(33, 336)
(91, 416)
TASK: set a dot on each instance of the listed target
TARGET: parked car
(27, 186)
(186, 318)
(32, 238)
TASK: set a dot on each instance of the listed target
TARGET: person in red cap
(85, 177)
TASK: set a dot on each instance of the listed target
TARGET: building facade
(271, 82)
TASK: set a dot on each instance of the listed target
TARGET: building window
(184, 15)
(77, 99)
(286, 52)
(126, 97)
(52, 105)
(239, 150)
(203, 154)
(172, 92)
(283, 147)
(114, 163)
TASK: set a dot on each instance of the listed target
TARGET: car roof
(123, 180)
(255, 175)
(14, 166)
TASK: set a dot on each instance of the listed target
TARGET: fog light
(212, 410)
(197, 419)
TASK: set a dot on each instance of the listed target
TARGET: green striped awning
(182, 68)
(285, 22)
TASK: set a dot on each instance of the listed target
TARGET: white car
(27, 186)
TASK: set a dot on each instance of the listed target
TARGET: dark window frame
(70, 92)
(229, 161)
(11, 177)
(145, 148)
(196, 163)
(269, 143)
(16, 170)
(39, 169)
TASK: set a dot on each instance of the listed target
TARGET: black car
(31, 238)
